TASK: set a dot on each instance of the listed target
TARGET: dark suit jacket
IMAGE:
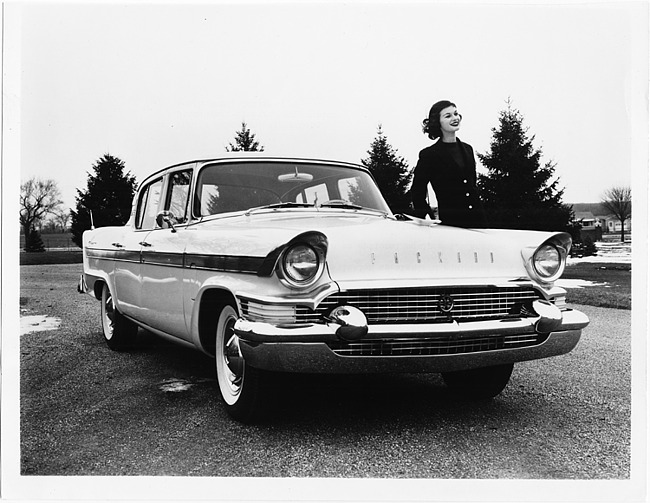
(454, 185)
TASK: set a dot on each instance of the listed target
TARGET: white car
(295, 265)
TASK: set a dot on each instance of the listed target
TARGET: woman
(449, 166)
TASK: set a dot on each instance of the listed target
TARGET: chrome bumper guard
(305, 348)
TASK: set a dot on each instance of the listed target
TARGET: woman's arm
(418, 191)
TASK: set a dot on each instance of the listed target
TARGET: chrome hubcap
(232, 355)
(109, 315)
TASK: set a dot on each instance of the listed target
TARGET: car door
(162, 260)
(128, 283)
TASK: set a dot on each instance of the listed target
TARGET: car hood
(368, 248)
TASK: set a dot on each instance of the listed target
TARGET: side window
(178, 195)
(148, 205)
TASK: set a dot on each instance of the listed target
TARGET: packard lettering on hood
(292, 265)
(489, 257)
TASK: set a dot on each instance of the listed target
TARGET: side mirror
(165, 220)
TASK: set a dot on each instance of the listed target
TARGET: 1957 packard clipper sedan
(295, 265)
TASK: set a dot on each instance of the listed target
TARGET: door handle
(117, 245)
(144, 243)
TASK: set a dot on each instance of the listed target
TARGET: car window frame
(168, 188)
(140, 213)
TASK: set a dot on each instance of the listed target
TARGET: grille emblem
(446, 303)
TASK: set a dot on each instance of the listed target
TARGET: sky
(159, 84)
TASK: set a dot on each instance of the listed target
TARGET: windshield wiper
(288, 204)
(350, 206)
(340, 204)
(327, 204)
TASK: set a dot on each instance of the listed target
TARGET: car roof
(253, 156)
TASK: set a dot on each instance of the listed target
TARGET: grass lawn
(616, 293)
(54, 240)
(52, 257)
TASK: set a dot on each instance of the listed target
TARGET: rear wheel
(481, 383)
(119, 332)
(241, 386)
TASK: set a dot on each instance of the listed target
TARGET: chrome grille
(431, 346)
(277, 314)
(422, 305)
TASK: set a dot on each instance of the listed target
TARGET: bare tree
(38, 198)
(61, 217)
(618, 201)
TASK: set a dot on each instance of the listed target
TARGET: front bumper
(306, 348)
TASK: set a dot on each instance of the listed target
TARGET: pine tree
(108, 195)
(518, 192)
(391, 172)
(244, 141)
(33, 241)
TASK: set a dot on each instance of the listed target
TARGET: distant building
(614, 225)
(592, 226)
(596, 220)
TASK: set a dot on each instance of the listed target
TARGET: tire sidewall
(248, 403)
(229, 395)
(107, 330)
(123, 332)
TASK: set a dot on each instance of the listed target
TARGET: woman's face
(450, 120)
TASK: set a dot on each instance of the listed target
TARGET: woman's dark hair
(431, 125)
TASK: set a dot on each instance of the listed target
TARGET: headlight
(548, 262)
(301, 264)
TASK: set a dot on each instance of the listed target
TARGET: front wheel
(119, 332)
(241, 385)
(481, 383)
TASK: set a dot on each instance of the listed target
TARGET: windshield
(228, 187)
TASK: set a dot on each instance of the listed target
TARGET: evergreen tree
(108, 195)
(589, 247)
(391, 172)
(518, 192)
(33, 241)
(244, 141)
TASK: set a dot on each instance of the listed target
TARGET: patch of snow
(601, 259)
(175, 385)
(38, 323)
(577, 283)
(612, 252)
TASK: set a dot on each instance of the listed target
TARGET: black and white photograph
(374, 251)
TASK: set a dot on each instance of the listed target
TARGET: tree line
(518, 191)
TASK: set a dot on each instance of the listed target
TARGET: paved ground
(154, 410)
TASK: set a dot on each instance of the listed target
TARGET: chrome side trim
(219, 263)
(119, 255)
(224, 263)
